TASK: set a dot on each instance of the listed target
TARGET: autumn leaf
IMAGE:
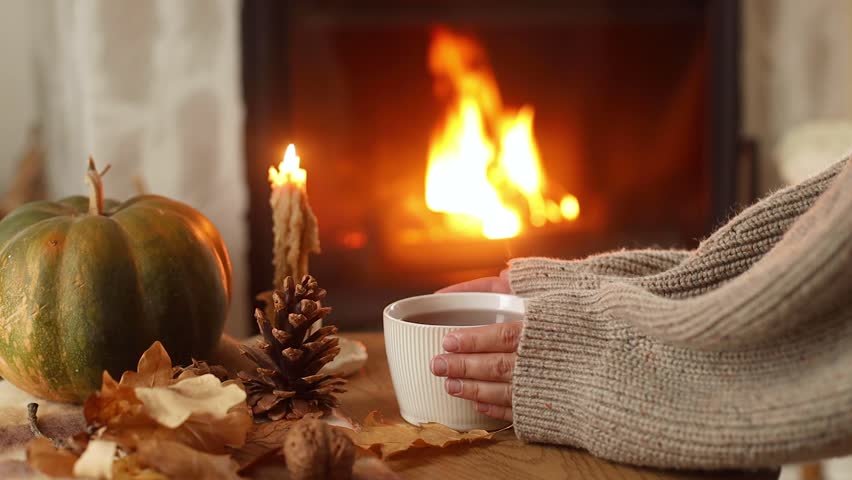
(43, 456)
(264, 438)
(391, 439)
(171, 406)
(176, 460)
(129, 468)
(214, 435)
(96, 460)
(154, 369)
(114, 405)
(149, 424)
(201, 412)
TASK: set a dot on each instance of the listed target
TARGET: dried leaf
(49, 460)
(201, 412)
(390, 439)
(114, 404)
(207, 434)
(153, 370)
(171, 406)
(129, 468)
(96, 460)
(198, 368)
(264, 438)
(176, 460)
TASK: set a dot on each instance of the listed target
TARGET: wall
(17, 86)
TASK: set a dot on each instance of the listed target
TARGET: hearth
(443, 138)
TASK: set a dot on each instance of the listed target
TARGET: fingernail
(439, 366)
(451, 343)
(453, 386)
(482, 408)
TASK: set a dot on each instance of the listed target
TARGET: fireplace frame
(265, 42)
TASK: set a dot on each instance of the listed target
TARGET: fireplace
(443, 138)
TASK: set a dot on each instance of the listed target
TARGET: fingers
(487, 284)
(491, 393)
(496, 411)
(495, 367)
(497, 338)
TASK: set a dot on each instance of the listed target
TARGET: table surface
(505, 457)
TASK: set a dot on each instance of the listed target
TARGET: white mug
(411, 346)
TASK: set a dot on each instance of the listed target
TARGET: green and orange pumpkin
(87, 284)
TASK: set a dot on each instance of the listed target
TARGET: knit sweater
(735, 355)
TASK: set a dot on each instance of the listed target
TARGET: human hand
(479, 366)
(498, 284)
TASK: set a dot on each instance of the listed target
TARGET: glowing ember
(484, 159)
(570, 207)
(288, 170)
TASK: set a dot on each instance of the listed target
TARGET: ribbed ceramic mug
(411, 346)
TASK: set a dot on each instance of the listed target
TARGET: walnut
(315, 451)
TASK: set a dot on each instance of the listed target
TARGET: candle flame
(288, 170)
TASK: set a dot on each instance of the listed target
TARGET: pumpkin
(87, 284)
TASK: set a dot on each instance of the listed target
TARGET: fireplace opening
(443, 139)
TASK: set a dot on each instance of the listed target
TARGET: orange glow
(288, 170)
(484, 169)
(354, 240)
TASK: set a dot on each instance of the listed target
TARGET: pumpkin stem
(96, 188)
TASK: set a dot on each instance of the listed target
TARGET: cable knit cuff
(534, 276)
(561, 359)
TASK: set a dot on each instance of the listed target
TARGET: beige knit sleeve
(738, 370)
(535, 276)
(730, 251)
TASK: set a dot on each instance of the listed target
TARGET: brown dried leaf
(129, 468)
(49, 460)
(206, 395)
(201, 412)
(214, 435)
(115, 405)
(153, 370)
(263, 439)
(391, 439)
(176, 460)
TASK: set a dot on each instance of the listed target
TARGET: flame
(484, 158)
(288, 170)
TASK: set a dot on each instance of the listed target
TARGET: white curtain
(153, 88)
(797, 82)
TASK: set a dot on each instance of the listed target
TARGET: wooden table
(506, 457)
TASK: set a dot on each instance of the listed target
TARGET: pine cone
(286, 382)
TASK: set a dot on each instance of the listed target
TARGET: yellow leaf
(172, 405)
(391, 439)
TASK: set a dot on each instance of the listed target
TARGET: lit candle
(293, 221)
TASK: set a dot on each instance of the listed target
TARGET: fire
(288, 170)
(484, 169)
